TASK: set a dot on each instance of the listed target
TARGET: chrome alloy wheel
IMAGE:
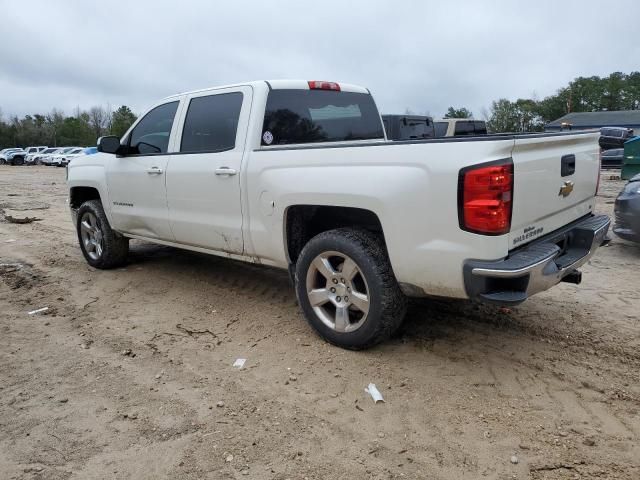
(338, 291)
(91, 235)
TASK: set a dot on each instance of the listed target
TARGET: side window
(464, 128)
(211, 123)
(151, 134)
(441, 128)
(480, 128)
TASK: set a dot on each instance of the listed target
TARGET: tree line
(618, 91)
(56, 129)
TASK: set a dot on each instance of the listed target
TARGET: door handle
(154, 171)
(567, 165)
(225, 171)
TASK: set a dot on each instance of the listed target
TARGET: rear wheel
(347, 289)
(101, 246)
(18, 161)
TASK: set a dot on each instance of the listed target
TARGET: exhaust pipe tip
(574, 277)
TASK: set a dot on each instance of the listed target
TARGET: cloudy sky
(421, 55)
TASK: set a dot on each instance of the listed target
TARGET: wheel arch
(80, 194)
(302, 222)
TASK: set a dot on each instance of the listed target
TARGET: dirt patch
(18, 275)
(129, 373)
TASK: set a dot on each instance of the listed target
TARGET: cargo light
(485, 198)
(322, 85)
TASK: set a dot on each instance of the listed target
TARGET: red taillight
(486, 198)
(321, 85)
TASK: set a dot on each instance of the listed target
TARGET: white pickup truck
(299, 175)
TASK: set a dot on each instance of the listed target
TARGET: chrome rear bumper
(537, 266)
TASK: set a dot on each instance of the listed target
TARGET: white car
(55, 158)
(15, 156)
(32, 153)
(299, 175)
(62, 159)
(4, 154)
(43, 157)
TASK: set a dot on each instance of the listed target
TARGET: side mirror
(109, 144)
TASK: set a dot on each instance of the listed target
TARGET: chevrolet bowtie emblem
(566, 188)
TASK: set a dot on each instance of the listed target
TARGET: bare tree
(98, 120)
(109, 122)
(54, 121)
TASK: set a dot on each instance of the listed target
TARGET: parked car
(16, 156)
(4, 153)
(408, 127)
(298, 175)
(627, 211)
(614, 137)
(76, 152)
(32, 152)
(457, 127)
(612, 158)
(62, 159)
(54, 158)
(40, 158)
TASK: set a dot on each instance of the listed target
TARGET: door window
(151, 134)
(211, 123)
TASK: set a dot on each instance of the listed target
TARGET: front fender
(93, 176)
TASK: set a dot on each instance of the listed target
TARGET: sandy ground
(129, 373)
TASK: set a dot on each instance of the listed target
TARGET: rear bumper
(538, 266)
(627, 215)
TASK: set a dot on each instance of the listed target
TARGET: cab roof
(282, 84)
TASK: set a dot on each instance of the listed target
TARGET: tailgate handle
(568, 165)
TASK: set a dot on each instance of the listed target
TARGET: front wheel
(347, 289)
(101, 246)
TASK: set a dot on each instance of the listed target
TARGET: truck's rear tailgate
(546, 195)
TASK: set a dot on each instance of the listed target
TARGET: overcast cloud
(424, 56)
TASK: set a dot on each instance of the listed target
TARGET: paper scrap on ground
(39, 310)
(239, 363)
(375, 394)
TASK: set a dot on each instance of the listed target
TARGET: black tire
(18, 161)
(114, 247)
(387, 303)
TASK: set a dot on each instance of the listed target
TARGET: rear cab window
(416, 128)
(298, 116)
(470, 127)
(480, 127)
(441, 128)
